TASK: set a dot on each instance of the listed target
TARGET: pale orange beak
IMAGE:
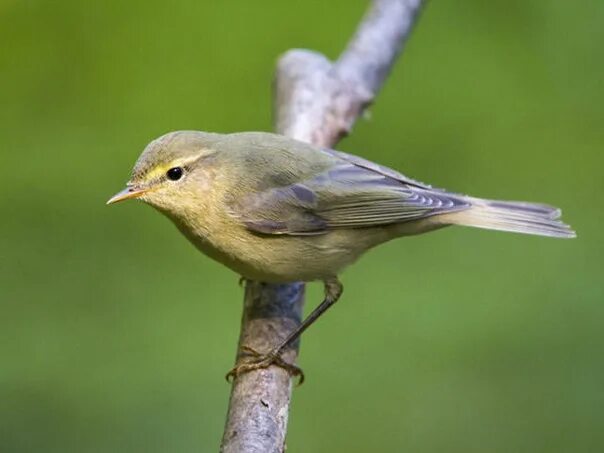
(126, 194)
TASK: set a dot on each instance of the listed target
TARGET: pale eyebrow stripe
(160, 170)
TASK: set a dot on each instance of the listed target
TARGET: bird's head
(173, 172)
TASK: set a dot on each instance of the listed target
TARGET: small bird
(274, 209)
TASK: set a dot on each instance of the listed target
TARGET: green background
(115, 333)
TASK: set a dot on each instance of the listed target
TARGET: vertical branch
(316, 101)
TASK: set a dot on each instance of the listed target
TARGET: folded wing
(353, 193)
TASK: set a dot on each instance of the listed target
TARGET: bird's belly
(284, 259)
(281, 259)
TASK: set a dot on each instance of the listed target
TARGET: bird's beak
(126, 194)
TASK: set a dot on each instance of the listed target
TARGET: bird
(277, 210)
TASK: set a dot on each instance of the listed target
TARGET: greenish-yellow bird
(274, 209)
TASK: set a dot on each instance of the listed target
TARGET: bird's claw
(261, 361)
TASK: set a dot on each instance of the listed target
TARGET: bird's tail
(513, 216)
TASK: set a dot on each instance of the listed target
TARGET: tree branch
(316, 101)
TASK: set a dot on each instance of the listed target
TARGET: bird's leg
(333, 291)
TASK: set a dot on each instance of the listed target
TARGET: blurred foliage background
(115, 333)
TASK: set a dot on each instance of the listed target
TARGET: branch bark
(316, 101)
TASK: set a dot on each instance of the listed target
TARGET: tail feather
(513, 216)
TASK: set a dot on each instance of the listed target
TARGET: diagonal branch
(316, 101)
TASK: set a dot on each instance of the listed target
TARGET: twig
(316, 101)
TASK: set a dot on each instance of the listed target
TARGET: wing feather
(353, 193)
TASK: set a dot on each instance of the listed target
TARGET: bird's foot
(261, 361)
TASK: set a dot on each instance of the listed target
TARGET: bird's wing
(352, 193)
(376, 168)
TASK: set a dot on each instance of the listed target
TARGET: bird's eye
(174, 174)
